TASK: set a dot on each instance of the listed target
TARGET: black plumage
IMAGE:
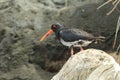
(70, 35)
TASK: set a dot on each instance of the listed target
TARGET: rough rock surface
(90, 64)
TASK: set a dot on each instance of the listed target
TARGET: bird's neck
(57, 34)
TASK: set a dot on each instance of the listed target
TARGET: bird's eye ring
(54, 26)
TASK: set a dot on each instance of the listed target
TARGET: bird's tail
(99, 39)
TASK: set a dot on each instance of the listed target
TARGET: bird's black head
(56, 27)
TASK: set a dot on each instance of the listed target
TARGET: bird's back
(70, 35)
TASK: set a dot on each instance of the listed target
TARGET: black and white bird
(72, 37)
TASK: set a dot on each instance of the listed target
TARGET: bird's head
(54, 28)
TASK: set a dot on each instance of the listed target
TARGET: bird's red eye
(54, 26)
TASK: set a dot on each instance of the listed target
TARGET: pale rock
(90, 64)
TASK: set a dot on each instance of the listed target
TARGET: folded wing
(71, 35)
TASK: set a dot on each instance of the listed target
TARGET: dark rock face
(23, 22)
(14, 50)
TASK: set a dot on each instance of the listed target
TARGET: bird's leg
(71, 51)
(81, 49)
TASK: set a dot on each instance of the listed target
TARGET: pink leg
(71, 51)
(81, 49)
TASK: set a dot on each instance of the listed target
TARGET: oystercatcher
(72, 37)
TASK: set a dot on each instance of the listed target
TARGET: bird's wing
(75, 35)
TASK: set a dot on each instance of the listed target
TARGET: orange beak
(46, 35)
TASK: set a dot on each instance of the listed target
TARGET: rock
(90, 64)
(22, 73)
(59, 3)
(16, 47)
(26, 72)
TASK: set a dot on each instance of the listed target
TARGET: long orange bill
(46, 35)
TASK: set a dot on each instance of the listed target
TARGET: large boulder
(90, 64)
